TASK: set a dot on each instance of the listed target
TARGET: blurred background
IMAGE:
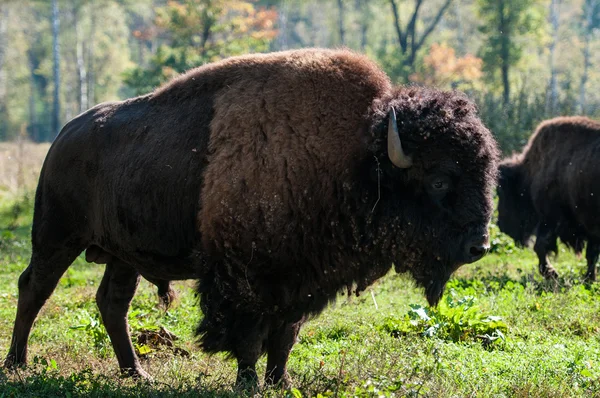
(522, 61)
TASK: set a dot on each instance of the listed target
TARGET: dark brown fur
(266, 177)
(551, 189)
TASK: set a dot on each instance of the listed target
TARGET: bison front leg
(546, 238)
(36, 284)
(249, 334)
(592, 252)
(281, 341)
(114, 295)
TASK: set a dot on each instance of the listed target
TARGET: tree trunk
(461, 47)
(56, 69)
(584, 75)
(588, 12)
(81, 71)
(504, 50)
(362, 8)
(341, 21)
(410, 52)
(4, 18)
(282, 21)
(3, 32)
(208, 21)
(398, 28)
(91, 78)
(552, 98)
(33, 120)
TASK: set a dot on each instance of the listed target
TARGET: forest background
(522, 61)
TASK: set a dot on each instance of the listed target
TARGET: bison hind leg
(113, 297)
(36, 284)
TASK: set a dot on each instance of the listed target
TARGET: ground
(500, 331)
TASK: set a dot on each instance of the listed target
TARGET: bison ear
(395, 151)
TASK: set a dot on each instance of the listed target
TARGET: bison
(551, 190)
(276, 180)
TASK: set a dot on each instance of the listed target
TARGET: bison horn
(395, 152)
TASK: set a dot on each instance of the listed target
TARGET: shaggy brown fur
(552, 188)
(266, 177)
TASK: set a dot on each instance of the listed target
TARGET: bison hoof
(137, 374)
(549, 273)
(589, 277)
(283, 382)
(247, 384)
(11, 362)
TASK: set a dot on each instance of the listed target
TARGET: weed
(455, 319)
(500, 243)
(93, 326)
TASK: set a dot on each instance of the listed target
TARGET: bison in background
(277, 180)
(552, 189)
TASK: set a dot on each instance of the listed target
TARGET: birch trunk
(56, 70)
(4, 18)
(552, 97)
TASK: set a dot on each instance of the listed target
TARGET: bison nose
(476, 252)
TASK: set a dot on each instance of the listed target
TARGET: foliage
(496, 51)
(455, 319)
(93, 326)
(500, 243)
(201, 31)
(502, 22)
(514, 122)
(442, 68)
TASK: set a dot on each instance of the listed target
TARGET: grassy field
(500, 331)
(20, 164)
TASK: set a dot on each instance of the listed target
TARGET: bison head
(436, 185)
(516, 214)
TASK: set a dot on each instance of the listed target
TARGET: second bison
(277, 180)
(552, 190)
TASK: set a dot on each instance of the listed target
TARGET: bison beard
(550, 190)
(276, 180)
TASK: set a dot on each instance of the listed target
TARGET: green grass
(501, 331)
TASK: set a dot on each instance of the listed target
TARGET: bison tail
(166, 295)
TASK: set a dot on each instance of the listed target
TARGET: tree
(442, 68)
(341, 27)
(365, 16)
(551, 101)
(503, 21)
(408, 37)
(591, 23)
(36, 26)
(200, 31)
(56, 69)
(3, 77)
(82, 82)
(91, 76)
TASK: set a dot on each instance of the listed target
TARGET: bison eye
(440, 185)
